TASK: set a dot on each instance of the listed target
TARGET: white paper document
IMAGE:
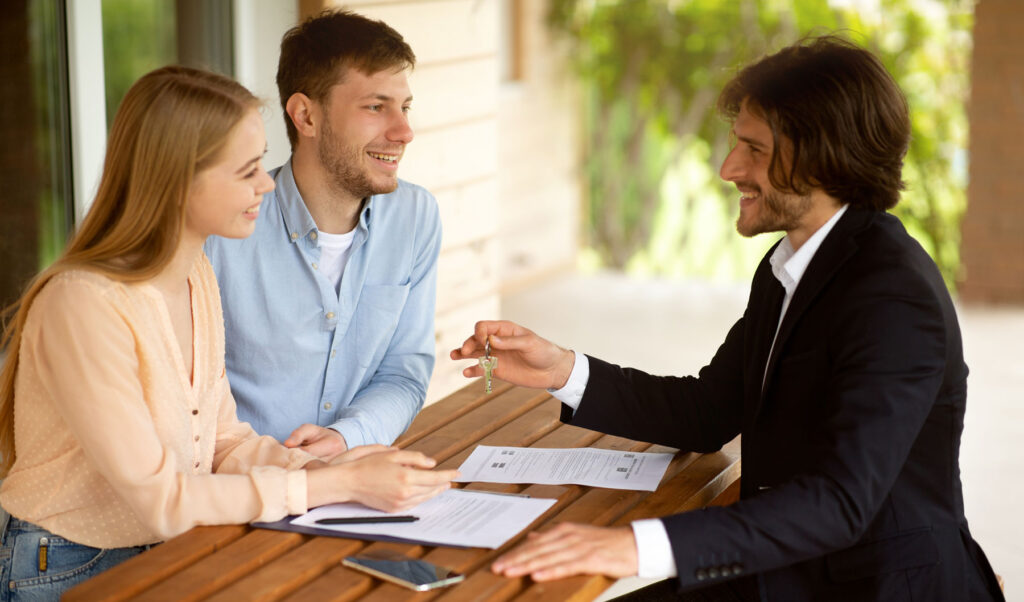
(580, 466)
(456, 517)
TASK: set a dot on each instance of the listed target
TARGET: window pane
(142, 35)
(138, 36)
(34, 142)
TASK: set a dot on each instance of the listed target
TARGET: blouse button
(194, 412)
(197, 437)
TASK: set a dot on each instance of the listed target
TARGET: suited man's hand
(572, 549)
(524, 358)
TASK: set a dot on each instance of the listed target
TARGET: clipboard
(285, 524)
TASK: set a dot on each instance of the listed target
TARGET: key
(488, 363)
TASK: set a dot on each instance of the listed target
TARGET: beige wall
(498, 156)
(540, 186)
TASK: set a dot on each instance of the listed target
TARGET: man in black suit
(845, 374)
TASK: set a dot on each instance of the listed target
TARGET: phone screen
(413, 573)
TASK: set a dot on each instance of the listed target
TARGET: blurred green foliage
(651, 72)
(138, 36)
(50, 140)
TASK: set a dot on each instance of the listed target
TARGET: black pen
(357, 520)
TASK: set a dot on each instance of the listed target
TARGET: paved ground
(673, 327)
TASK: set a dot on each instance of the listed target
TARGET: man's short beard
(780, 212)
(344, 166)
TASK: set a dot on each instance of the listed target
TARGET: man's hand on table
(524, 358)
(319, 441)
(572, 549)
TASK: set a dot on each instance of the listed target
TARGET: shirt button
(194, 412)
(197, 464)
(330, 315)
(314, 265)
(334, 352)
(295, 235)
(197, 437)
(327, 405)
(312, 236)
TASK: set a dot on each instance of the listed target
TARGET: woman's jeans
(38, 565)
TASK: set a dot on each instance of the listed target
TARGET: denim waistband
(16, 524)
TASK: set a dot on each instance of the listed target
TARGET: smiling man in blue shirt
(329, 305)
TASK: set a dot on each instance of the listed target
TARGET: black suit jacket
(851, 483)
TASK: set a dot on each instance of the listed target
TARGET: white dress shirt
(654, 551)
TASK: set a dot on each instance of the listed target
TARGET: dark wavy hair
(316, 53)
(842, 111)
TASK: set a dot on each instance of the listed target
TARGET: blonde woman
(117, 425)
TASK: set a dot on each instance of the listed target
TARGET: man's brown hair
(316, 54)
(843, 112)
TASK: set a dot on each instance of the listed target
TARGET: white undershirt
(334, 251)
(654, 551)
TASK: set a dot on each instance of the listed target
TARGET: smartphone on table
(413, 573)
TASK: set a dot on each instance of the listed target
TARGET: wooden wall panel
(539, 182)
(449, 156)
(458, 92)
(469, 211)
(439, 30)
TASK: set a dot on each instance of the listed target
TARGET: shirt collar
(297, 218)
(789, 265)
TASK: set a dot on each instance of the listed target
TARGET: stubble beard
(345, 166)
(779, 212)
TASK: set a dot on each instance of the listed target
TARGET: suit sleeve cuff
(572, 393)
(653, 550)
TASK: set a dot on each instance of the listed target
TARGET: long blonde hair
(171, 124)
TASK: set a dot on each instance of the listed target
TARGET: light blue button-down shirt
(358, 360)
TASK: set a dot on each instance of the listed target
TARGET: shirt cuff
(572, 393)
(350, 431)
(653, 549)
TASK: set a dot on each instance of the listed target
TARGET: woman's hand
(383, 478)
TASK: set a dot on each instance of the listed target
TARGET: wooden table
(241, 563)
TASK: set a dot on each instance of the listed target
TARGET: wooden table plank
(464, 431)
(521, 432)
(729, 496)
(705, 478)
(291, 571)
(341, 584)
(451, 407)
(141, 572)
(221, 568)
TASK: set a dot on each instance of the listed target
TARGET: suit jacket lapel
(835, 250)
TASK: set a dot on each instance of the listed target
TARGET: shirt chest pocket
(376, 319)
